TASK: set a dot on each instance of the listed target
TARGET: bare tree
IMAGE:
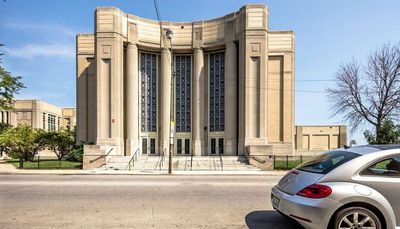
(370, 93)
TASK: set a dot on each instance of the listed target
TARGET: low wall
(262, 156)
(93, 157)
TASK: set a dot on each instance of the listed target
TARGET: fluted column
(165, 99)
(198, 103)
(103, 100)
(132, 99)
(231, 104)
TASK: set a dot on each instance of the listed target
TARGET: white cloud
(30, 51)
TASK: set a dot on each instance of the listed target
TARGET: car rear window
(326, 162)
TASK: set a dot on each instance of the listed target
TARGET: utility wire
(162, 35)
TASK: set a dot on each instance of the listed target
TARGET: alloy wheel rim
(357, 220)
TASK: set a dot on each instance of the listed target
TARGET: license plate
(275, 201)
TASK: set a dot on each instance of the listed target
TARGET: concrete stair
(180, 163)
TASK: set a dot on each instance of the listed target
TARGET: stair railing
(221, 162)
(162, 158)
(133, 158)
(191, 161)
(254, 157)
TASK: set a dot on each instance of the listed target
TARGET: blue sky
(40, 40)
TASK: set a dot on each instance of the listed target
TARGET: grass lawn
(281, 164)
(47, 164)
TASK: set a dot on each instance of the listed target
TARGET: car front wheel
(357, 218)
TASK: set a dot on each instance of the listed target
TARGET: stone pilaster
(342, 136)
(165, 99)
(299, 138)
(86, 88)
(109, 68)
(132, 99)
(253, 70)
(231, 98)
(198, 103)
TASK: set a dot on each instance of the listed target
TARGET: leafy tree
(3, 128)
(369, 93)
(390, 134)
(61, 142)
(9, 86)
(23, 142)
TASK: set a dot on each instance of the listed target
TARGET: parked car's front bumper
(310, 213)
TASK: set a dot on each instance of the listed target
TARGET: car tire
(346, 216)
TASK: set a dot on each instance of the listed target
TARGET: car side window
(389, 167)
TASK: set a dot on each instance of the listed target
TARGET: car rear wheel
(357, 218)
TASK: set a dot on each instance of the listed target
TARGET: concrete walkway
(6, 168)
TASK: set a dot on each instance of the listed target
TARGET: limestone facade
(232, 84)
(39, 115)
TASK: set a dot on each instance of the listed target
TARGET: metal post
(38, 161)
(273, 158)
(287, 161)
(21, 163)
(169, 35)
(301, 159)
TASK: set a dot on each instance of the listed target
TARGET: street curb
(163, 173)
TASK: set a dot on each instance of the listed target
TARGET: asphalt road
(109, 201)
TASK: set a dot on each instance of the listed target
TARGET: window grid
(148, 88)
(183, 76)
(51, 120)
(217, 91)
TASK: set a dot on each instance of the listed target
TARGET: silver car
(351, 188)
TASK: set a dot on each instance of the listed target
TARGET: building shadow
(269, 220)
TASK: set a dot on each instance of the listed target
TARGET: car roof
(367, 149)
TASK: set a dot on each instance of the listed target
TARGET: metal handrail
(109, 151)
(162, 158)
(133, 158)
(191, 161)
(222, 163)
(99, 156)
(259, 160)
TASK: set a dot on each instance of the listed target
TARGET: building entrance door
(217, 146)
(183, 146)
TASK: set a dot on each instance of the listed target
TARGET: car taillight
(315, 191)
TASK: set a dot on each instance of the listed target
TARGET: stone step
(210, 163)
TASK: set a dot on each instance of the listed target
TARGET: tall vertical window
(148, 87)
(221, 146)
(217, 91)
(179, 146)
(183, 76)
(51, 120)
(44, 121)
(152, 146)
(213, 146)
(144, 145)
(187, 146)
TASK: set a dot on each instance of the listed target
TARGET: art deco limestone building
(232, 78)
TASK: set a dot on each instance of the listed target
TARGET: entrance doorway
(217, 146)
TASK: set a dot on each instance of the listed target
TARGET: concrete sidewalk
(6, 168)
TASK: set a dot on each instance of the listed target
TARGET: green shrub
(75, 154)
